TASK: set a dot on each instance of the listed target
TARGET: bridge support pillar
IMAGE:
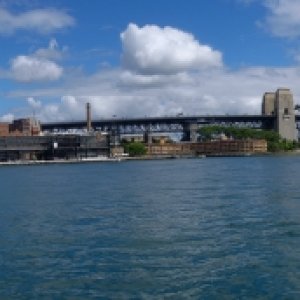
(285, 123)
(114, 136)
(190, 131)
(147, 138)
(147, 135)
(281, 105)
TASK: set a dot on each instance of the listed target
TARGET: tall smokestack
(88, 117)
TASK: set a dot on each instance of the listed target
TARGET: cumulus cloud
(38, 20)
(27, 69)
(196, 93)
(283, 17)
(38, 66)
(146, 87)
(52, 52)
(68, 108)
(155, 50)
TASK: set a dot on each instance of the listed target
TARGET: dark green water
(214, 228)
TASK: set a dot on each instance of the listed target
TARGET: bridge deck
(168, 120)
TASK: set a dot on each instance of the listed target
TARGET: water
(214, 228)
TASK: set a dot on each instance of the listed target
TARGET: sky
(139, 58)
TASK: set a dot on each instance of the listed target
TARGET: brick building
(20, 127)
(220, 147)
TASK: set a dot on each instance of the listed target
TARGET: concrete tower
(284, 108)
(281, 105)
(268, 104)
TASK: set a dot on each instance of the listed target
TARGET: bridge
(277, 114)
(167, 124)
(165, 120)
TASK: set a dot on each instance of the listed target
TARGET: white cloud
(154, 50)
(214, 92)
(7, 118)
(38, 66)
(283, 17)
(168, 89)
(51, 112)
(53, 52)
(143, 81)
(27, 69)
(35, 104)
(68, 108)
(38, 20)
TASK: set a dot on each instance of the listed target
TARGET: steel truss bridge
(187, 125)
(164, 124)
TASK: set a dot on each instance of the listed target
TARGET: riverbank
(89, 160)
(59, 161)
(146, 157)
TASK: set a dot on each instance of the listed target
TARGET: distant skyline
(135, 58)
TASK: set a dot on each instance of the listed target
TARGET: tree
(135, 148)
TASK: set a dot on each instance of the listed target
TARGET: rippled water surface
(213, 228)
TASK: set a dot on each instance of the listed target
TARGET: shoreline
(127, 158)
(59, 161)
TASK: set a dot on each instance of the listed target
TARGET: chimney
(88, 117)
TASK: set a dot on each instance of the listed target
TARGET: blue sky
(136, 58)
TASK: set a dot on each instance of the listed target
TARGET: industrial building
(23, 140)
(53, 147)
(209, 148)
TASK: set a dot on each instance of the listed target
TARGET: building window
(286, 111)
